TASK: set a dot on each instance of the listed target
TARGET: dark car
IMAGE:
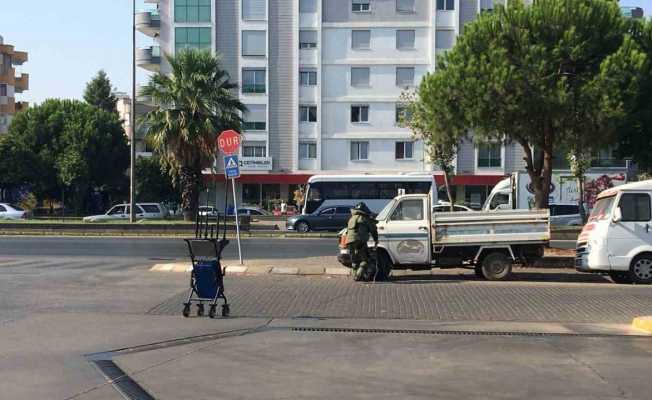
(324, 219)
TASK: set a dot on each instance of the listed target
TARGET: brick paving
(557, 296)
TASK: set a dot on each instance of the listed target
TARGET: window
(192, 38)
(2, 208)
(360, 5)
(253, 43)
(255, 118)
(307, 151)
(405, 6)
(359, 114)
(401, 114)
(403, 150)
(150, 208)
(3, 90)
(635, 207)
(405, 39)
(307, 6)
(192, 10)
(342, 210)
(327, 211)
(445, 5)
(253, 80)
(307, 113)
(117, 210)
(408, 210)
(307, 77)
(254, 149)
(253, 9)
(404, 76)
(563, 209)
(489, 155)
(307, 39)
(444, 38)
(360, 76)
(359, 151)
(360, 40)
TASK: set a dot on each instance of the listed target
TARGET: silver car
(122, 211)
(9, 211)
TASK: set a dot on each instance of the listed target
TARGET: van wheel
(620, 277)
(496, 266)
(641, 269)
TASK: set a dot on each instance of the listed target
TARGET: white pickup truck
(411, 236)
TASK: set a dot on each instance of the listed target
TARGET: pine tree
(98, 93)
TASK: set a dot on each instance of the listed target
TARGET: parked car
(253, 211)
(122, 211)
(565, 214)
(10, 211)
(445, 207)
(208, 210)
(327, 218)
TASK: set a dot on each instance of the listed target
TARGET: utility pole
(132, 121)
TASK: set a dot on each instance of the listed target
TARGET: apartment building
(10, 84)
(123, 106)
(322, 80)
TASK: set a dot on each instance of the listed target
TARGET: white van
(618, 236)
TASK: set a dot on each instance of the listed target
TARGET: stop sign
(228, 141)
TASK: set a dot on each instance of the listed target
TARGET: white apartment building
(322, 80)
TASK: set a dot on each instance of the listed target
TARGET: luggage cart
(206, 277)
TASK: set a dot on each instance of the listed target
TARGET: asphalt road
(160, 248)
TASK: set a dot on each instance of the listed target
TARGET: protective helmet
(362, 207)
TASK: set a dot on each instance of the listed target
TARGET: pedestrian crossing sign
(231, 167)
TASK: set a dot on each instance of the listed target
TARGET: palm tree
(192, 104)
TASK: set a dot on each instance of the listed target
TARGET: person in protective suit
(359, 227)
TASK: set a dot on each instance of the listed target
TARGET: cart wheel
(200, 310)
(225, 310)
(212, 311)
(186, 310)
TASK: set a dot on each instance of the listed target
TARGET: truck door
(408, 232)
(632, 231)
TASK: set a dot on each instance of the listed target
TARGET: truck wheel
(496, 266)
(620, 277)
(478, 271)
(641, 269)
(384, 266)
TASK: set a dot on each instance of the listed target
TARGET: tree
(580, 161)
(441, 143)
(153, 182)
(99, 93)
(192, 105)
(64, 143)
(536, 75)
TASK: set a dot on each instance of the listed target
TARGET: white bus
(374, 190)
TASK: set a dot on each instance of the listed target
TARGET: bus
(374, 190)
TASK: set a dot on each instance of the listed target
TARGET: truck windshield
(602, 208)
(382, 215)
(498, 200)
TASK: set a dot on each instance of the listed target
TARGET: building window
(360, 40)
(405, 39)
(360, 5)
(307, 39)
(403, 150)
(192, 38)
(192, 10)
(254, 149)
(359, 151)
(489, 155)
(444, 39)
(401, 114)
(307, 6)
(254, 10)
(405, 6)
(307, 151)
(359, 76)
(359, 114)
(253, 80)
(307, 77)
(404, 76)
(255, 118)
(254, 43)
(307, 113)
(3, 90)
(445, 5)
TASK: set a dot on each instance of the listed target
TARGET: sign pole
(237, 222)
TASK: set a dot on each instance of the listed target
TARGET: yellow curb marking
(643, 324)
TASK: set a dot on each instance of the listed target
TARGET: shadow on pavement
(529, 276)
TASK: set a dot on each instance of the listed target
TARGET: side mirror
(618, 215)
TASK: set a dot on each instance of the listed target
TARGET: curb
(255, 270)
(282, 235)
(643, 324)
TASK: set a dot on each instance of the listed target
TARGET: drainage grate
(127, 387)
(447, 332)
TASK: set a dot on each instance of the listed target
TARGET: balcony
(149, 58)
(141, 98)
(149, 23)
(253, 88)
(21, 105)
(19, 58)
(22, 83)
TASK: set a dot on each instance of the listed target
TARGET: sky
(68, 41)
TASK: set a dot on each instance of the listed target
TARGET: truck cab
(617, 238)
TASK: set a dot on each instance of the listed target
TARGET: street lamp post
(132, 121)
